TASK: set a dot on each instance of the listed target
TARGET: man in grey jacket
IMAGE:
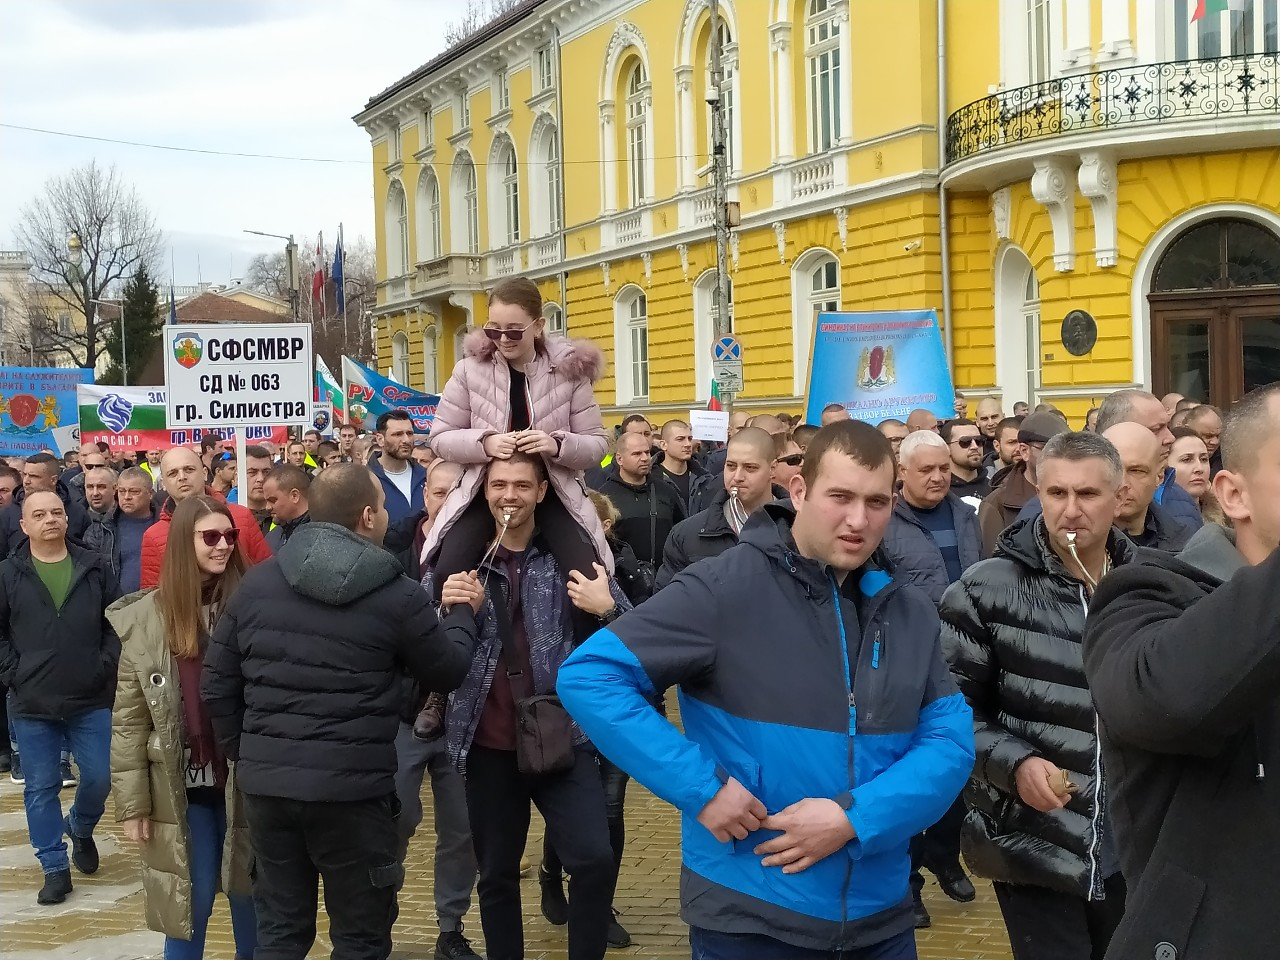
(932, 538)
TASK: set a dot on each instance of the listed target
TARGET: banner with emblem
(369, 395)
(38, 409)
(879, 364)
(133, 418)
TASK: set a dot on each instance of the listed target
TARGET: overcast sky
(252, 76)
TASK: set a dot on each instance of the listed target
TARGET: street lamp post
(124, 359)
(290, 266)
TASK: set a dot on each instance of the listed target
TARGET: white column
(688, 147)
(1077, 46)
(1117, 37)
(609, 153)
(846, 71)
(780, 40)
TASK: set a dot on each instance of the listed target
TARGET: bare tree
(268, 274)
(85, 234)
(477, 15)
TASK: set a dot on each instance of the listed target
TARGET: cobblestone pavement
(102, 920)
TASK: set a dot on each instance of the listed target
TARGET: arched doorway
(1215, 312)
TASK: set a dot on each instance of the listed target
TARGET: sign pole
(242, 468)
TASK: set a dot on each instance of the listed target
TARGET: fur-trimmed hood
(572, 358)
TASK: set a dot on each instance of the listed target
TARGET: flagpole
(342, 260)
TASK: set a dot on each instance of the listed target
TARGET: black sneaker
(84, 852)
(5, 762)
(554, 906)
(15, 769)
(56, 887)
(923, 920)
(452, 945)
(68, 778)
(955, 884)
(617, 938)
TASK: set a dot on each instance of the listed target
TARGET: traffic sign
(727, 348)
(238, 374)
(728, 374)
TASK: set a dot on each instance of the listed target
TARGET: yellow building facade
(1006, 162)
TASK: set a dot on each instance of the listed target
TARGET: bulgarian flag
(713, 403)
(1205, 8)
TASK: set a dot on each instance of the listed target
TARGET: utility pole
(719, 185)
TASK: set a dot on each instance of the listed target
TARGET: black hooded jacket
(1011, 628)
(11, 535)
(1183, 658)
(302, 678)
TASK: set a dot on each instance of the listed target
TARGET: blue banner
(879, 364)
(369, 395)
(38, 409)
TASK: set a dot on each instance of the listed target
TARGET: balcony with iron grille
(1230, 102)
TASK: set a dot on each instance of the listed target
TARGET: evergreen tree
(142, 325)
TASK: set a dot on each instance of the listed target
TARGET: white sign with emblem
(238, 374)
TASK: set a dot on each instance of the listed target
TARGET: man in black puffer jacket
(302, 683)
(1012, 629)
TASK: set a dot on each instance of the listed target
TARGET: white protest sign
(709, 424)
(238, 374)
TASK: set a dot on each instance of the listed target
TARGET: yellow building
(1092, 154)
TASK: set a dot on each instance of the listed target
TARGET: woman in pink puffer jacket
(520, 390)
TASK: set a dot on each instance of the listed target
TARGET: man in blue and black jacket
(822, 727)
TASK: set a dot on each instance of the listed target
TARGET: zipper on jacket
(853, 726)
(1095, 885)
(875, 652)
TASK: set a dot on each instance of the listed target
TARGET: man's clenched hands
(812, 830)
(732, 813)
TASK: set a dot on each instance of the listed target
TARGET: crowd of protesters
(990, 647)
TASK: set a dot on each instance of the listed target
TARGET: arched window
(551, 174)
(705, 313)
(822, 56)
(637, 134)
(397, 230)
(429, 377)
(815, 281)
(464, 201)
(631, 338)
(1031, 323)
(400, 358)
(1039, 41)
(554, 317)
(428, 216)
(544, 180)
(1017, 326)
(510, 173)
(1220, 255)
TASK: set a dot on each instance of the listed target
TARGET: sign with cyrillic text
(238, 374)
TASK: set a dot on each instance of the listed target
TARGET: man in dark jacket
(1013, 487)
(117, 537)
(744, 488)
(401, 476)
(649, 507)
(797, 809)
(58, 659)
(1183, 659)
(968, 481)
(302, 683)
(932, 539)
(1012, 626)
(285, 491)
(40, 475)
(678, 467)
(1139, 517)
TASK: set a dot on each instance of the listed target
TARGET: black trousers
(1047, 925)
(938, 848)
(466, 541)
(352, 846)
(614, 780)
(572, 804)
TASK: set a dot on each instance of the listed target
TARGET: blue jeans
(208, 827)
(90, 736)
(711, 945)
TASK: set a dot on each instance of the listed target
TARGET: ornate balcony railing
(1246, 85)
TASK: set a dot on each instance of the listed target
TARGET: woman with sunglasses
(517, 389)
(175, 791)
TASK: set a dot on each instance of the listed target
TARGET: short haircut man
(769, 423)
(637, 423)
(10, 482)
(1138, 406)
(921, 419)
(803, 434)
(1182, 665)
(99, 488)
(833, 413)
(341, 495)
(1142, 520)
(988, 416)
(720, 622)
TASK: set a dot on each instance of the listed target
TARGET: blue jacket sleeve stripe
(916, 791)
(606, 690)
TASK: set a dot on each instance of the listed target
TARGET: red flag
(317, 279)
(713, 403)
